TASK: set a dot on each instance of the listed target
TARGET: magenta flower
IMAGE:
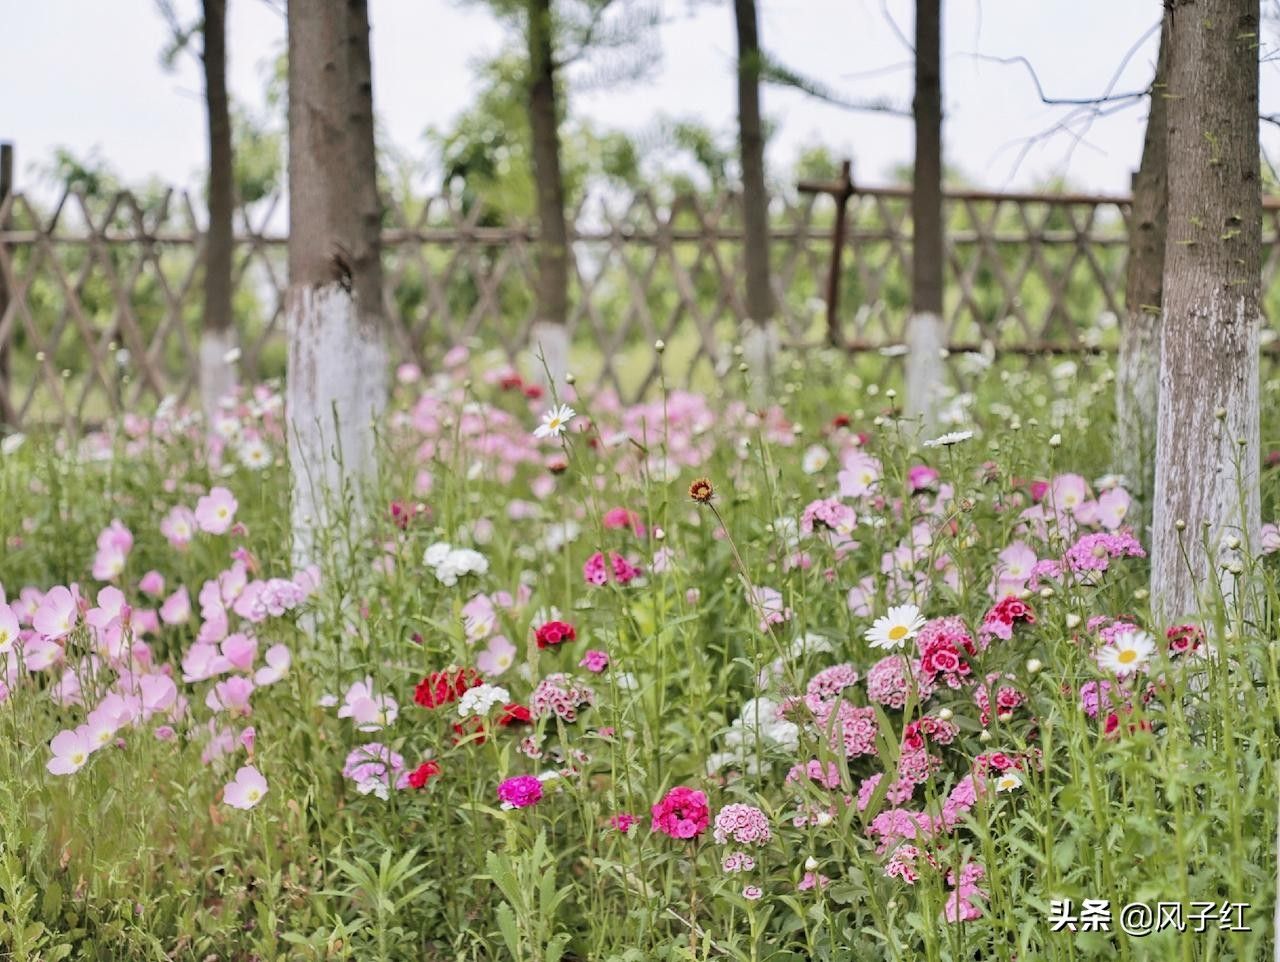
(520, 791)
(682, 813)
(595, 661)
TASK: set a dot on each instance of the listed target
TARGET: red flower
(442, 687)
(515, 714)
(1184, 638)
(532, 391)
(554, 633)
(428, 770)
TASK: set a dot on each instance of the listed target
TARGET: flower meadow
(690, 679)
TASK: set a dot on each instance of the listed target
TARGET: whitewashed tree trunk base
(1202, 471)
(760, 352)
(335, 394)
(549, 346)
(217, 370)
(1137, 408)
(925, 370)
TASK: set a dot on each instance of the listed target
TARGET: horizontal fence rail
(101, 299)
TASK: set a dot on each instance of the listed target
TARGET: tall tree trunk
(1137, 367)
(926, 336)
(337, 377)
(759, 338)
(1207, 432)
(218, 336)
(550, 330)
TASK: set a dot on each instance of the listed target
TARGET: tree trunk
(758, 340)
(1138, 361)
(1207, 432)
(218, 336)
(550, 332)
(337, 376)
(926, 336)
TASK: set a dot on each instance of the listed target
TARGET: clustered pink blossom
(596, 572)
(829, 513)
(828, 683)
(891, 680)
(682, 813)
(813, 770)
(1008, 698)
(1095, 552)
(744, 824)
(520, 791)
(558, 694)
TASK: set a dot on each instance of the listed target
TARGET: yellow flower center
(78, 758)
(897, 632)
(252, 795)
(1127, 656)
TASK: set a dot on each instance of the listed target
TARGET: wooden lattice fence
(101, 301)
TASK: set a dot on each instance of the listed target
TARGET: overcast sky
(86, 74)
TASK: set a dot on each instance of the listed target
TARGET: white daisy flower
(554, 422)
(896, 628)
(1008, 781)
(815, 459)
(1128, 653)
(946, 440)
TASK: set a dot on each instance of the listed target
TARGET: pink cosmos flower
(216, 511)
(520, 791)
(246, 790)
(152, 584)
(176, 609)
(71, 749)
(9, 628)
(682, 813)
(231, 695)
(114, 544)
(203, 661)
(370, 712)
(278, 660)
(56, 616)
(179, 527)
(498, 657)
(860, 473)
(39, 654)
(240, 649)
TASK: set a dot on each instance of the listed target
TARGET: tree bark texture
(1207, 434)
(755, 198)
(218, 337)
(1137, 366)
(926, 333)
(550, 332)
(337, 375)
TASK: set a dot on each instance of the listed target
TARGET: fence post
(7, 414)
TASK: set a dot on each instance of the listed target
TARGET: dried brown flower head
(701, 490)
